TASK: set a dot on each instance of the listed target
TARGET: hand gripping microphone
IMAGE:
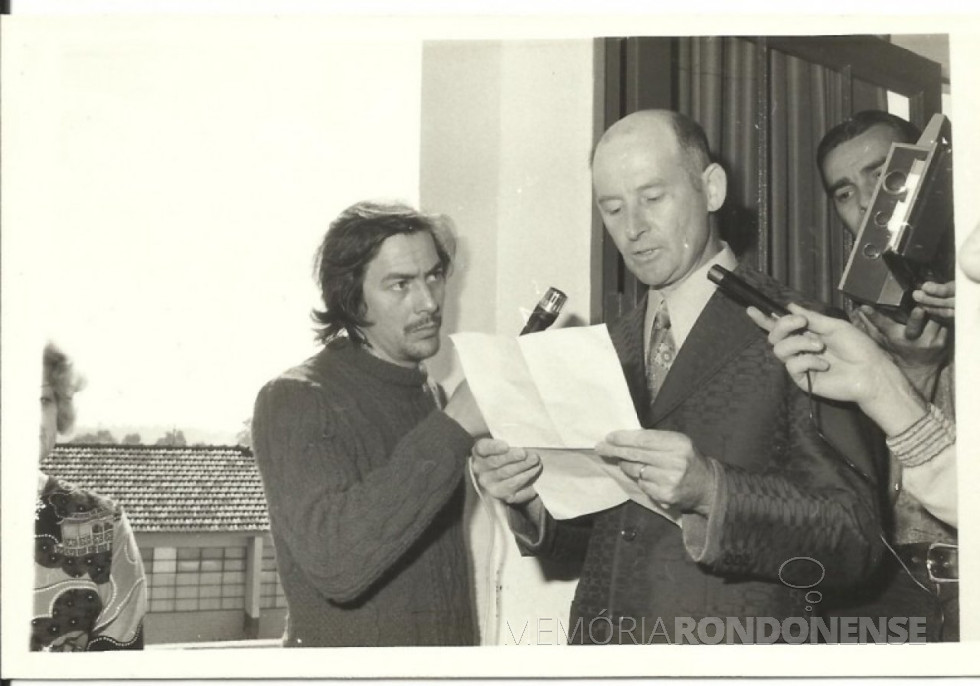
(545, 312)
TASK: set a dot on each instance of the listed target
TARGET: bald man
(768, 508)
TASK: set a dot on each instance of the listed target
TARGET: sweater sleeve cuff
(702, 535)
(925, 439)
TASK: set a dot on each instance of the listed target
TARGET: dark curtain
(806, 253)
(764, 114)
(717, 86)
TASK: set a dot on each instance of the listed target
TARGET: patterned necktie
(661, 352)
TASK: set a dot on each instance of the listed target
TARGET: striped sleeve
(924, 440)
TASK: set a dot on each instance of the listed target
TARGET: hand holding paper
(555, 394)
(506, 473)
(665, 465)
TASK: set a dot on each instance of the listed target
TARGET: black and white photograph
(471, 337)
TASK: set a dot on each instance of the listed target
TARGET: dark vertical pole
(762, 156)
(613, 269)
(253, 587)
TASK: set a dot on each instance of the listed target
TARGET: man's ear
(715, 182)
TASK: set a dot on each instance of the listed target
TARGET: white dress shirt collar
(686, 300)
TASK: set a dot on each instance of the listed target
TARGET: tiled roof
(167, 488)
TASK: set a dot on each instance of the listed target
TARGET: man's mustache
(424, 323)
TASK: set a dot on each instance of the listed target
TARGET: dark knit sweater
(363, 478)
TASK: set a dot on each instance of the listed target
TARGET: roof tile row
(170, 489)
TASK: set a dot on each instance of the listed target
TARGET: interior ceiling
(933, 46)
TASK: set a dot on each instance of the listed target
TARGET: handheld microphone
(545, 312)
(741, 292)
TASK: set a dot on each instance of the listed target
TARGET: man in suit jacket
(769, 507)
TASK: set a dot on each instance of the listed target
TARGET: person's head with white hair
(59, 384)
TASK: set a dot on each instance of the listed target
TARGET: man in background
(851, 157)
(922, 579)
(362, 470)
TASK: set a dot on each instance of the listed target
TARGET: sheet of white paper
(504, 390)
(554, 389)
(560, 392)
(580, 380)
(579, 482)
(573, 483)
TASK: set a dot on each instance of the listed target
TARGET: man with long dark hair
(362, 470)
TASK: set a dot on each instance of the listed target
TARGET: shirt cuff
(528, 524)
(924, 440)
(702, 535)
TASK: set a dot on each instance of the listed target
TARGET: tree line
(174, 437)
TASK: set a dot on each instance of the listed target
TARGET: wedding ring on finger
(639, 474)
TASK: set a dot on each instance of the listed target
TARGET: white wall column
(507, 128)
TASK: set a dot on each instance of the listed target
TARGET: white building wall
(507, 128)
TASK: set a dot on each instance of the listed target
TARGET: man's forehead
(652, 134)
(635, 152)
(405, 253)
(871, 144)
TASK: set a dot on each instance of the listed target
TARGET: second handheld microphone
(741, 292)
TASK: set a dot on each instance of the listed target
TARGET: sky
(176, 187)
